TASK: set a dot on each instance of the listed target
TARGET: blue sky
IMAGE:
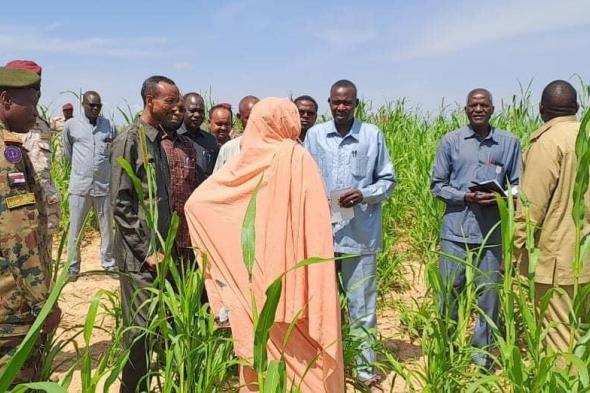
(422, 50)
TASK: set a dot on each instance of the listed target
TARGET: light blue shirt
(88, 148)
(358, 160)
(461, 158)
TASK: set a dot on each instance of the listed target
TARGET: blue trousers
(359, 280)
(80, 206)
(487, 279)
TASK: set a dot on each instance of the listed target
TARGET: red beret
(67, 106)
(25, 65)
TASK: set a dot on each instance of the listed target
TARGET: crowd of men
(359, 176)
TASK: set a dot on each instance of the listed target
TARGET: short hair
(192, 94)
(307, 98)
(344, 83)
(480, 90)
(560, 97)
(88, 94)
(223, 105)
(150, 85)
(246, 99)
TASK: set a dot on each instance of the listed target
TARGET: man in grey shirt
(87, 143)
(477, 152)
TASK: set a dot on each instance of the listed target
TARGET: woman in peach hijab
(292, 223)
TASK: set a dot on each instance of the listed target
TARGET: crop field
(190, 354)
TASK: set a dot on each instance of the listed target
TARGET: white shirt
(228, 150)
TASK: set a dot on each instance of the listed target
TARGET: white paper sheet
(340, 214)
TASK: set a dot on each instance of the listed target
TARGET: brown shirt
(184, 178)
(547, 180)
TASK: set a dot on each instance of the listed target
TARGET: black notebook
(488, 186)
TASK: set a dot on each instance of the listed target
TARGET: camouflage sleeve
(39, 151)
(19, 248)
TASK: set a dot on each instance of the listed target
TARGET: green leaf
(275, 377)
(134, 179)
(50, 387)
(582, 171)
(265, 322)
(249, 232)
(91, 316)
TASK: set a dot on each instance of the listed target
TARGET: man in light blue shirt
(477, 152)
(87, 143)
(359, 176)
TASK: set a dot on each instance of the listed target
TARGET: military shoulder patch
(13, 154)
(16, 179)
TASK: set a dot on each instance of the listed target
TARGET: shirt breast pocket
(188, 167)
(359, 166)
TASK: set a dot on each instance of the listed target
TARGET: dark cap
(18, 78)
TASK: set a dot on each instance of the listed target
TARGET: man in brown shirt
(547, 181)
(184, 178)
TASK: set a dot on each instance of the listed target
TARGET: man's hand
(481, 198)
(351, 198)
(153, 260)
(52, 321)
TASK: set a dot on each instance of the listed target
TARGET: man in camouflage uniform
(57, 123)
(24, 284)
(37, 143)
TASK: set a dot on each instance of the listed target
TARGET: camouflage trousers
(31, 369)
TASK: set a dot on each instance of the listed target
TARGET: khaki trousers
(558, 337)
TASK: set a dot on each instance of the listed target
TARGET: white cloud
(23, 39)
(474, 24)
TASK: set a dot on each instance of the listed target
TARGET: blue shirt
(88, 148)
(461, 158)
(358, 160)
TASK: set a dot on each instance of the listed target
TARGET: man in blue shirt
(359, 176)
(87, 141)
(480, 153)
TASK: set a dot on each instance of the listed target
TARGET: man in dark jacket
(137, 248)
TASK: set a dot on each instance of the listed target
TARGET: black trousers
(134, 376)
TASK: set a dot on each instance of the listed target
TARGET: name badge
(20, 200)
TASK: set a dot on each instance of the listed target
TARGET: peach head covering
(292, 223)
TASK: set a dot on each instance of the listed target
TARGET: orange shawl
(292, 223)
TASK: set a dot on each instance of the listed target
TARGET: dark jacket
(132, 232)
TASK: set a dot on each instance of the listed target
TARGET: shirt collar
(11, 137)
(199, 132)
(468, 133)
(353, 133)
(151, 132)
(87, 121)
(551, 123)
(174, 137)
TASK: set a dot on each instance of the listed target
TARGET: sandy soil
(77, 295)
(74, 303)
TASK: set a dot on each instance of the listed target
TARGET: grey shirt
(88, 148)
(461, 158)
